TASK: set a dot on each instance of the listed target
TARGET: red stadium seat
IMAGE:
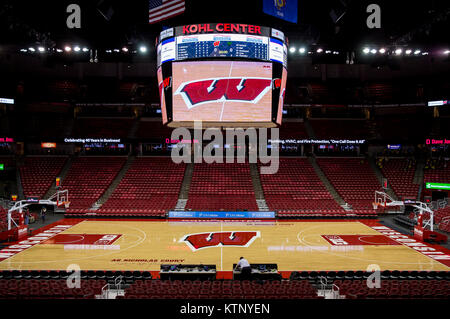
(221, 186)
(400, 175)
(353, 179)
(149, 188)
(296, 188)
(88, 178)
(38, 173)
(226, 289)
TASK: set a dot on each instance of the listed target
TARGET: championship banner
(283, 9)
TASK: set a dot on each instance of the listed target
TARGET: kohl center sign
(222, 28)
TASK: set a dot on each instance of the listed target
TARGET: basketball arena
(286, 150)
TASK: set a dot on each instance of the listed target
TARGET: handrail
(117, 285)
(53, 196)
(105, 291)
(323, 282)
(336, 291)
(118, 282)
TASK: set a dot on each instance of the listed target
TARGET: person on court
(244, 265)
(43, 212)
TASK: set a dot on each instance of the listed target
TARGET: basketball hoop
(381, 199)
(62, 198)
(64, 204)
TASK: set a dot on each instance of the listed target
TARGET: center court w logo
(246, 90)
(218, 239)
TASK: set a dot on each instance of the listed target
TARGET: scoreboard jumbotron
(222, 74)
(224, 46)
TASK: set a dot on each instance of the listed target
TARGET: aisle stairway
(89, 177)
(114, 184)
(309, 129)
(380, 177)
(419, 176)
(326, 182)
(259, 194)
(185, 186)
(353, 179)
(19, 184)
(62, 175)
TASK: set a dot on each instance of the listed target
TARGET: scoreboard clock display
(189, 42)
(222, 74)
(224, 46)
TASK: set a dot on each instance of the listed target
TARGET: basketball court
(315, 245)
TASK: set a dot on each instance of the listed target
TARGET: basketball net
(62, 198)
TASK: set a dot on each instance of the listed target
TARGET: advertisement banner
(195, 214)
(21, 232)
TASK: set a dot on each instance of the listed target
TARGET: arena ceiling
(114, 23)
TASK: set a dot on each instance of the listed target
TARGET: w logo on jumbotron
(240, 89)
(217, 239)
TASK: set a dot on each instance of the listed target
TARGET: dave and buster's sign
(222, 28)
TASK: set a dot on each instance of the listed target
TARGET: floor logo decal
(218, 239)
(85, 241)
(359, 240)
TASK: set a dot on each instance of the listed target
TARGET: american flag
(164, 9)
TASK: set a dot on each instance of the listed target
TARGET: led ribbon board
(442, 186)
(221, 214)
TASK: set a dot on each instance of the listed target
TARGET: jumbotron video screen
(222, 73)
